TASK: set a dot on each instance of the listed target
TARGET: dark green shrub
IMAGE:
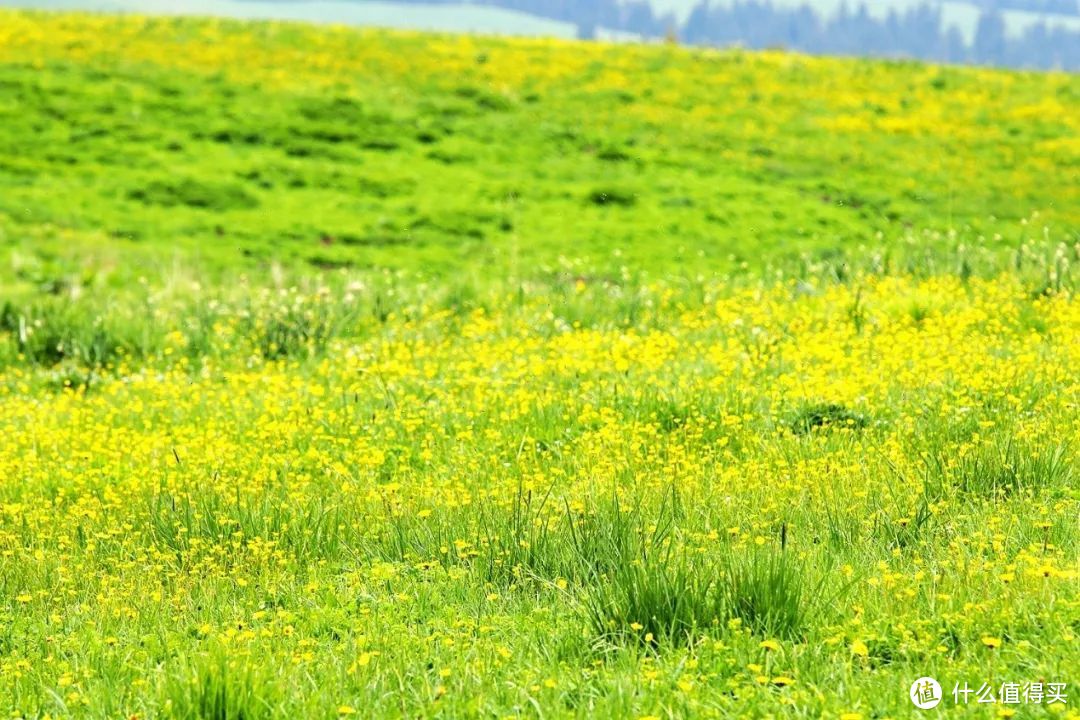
(826, 416)
(194, 193)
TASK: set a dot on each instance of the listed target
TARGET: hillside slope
(335, 147)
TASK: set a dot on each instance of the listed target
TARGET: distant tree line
(1060, 7)
(917, 32)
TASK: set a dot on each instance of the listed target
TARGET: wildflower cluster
(747, 495)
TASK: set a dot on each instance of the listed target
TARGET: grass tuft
(54, 331)
(767, 591)
(660, 591)
(826, 416)
(220, 688)
(997, 469)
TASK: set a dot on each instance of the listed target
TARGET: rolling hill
(338, 147)
(516, 18)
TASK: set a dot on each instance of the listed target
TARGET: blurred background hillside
(1041, 34)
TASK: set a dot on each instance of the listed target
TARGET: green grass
(391, 375)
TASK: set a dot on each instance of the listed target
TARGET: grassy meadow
(365, 374)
